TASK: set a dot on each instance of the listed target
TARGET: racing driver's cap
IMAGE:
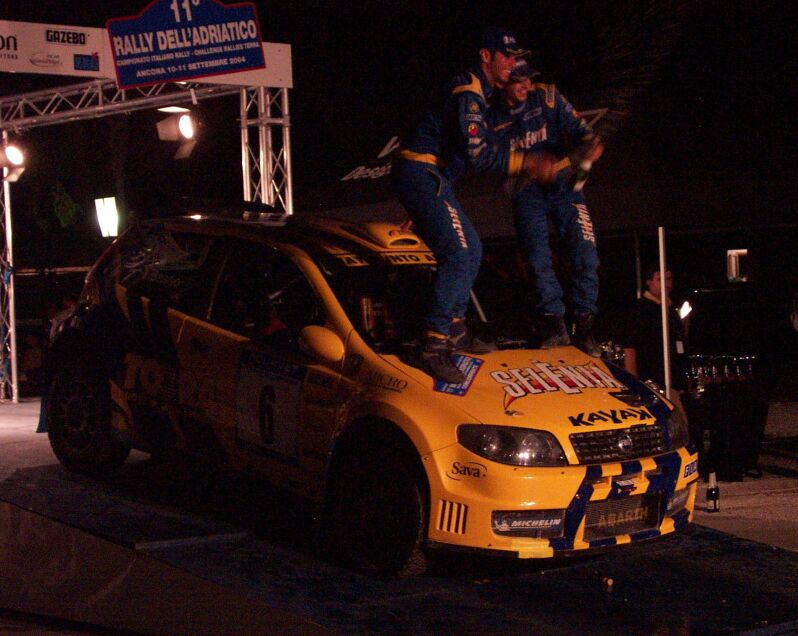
(502, 40)
(522, 70)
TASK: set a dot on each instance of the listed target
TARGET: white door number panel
(267, 404)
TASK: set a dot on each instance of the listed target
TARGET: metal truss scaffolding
(266, 159)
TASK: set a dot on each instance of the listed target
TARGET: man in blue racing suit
(537, 118)
(451, 139)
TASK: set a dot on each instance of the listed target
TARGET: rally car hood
(560, 390)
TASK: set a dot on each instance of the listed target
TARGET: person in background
(642, 342)
(537, 118)
(451, 139)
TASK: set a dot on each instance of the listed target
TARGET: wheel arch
(363, 433)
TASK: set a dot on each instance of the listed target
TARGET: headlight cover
(678, 433)
(512, 445)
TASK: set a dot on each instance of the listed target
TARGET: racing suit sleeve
(482, 154)
(568, 120)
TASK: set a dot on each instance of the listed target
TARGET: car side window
(263, 295)
(179, 269)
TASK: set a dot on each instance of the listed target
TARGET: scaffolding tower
(265, 159)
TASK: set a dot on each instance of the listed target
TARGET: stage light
(107, 216)
(180, 127)
(173, 109)
(12, 160)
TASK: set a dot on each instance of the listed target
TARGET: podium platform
(170, 550)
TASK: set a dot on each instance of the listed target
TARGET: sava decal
(540, 377)
(469, 366)
(609, 415)
(459, 470)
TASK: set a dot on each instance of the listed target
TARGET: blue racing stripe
(603, 543)
(665, 482)
(576, 510)
(644, 534)
(627, 468)
(680, 519)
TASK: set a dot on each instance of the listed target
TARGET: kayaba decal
(611, 415)
(542, 377)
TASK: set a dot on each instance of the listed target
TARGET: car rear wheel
(78, 414)
(378, 514)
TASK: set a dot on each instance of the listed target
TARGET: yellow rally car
(286, 350)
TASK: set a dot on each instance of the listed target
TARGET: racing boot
(436, 359)
(583, 335)
(553, 332)
(463, 340)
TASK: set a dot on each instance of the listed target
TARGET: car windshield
(385, 303)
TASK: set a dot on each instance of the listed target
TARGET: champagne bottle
(713, 494)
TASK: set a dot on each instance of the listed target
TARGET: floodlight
(12, 160)
(173, 109)
(180, 127)
(107, 216)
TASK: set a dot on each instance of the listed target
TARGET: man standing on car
(451, 139)
(538, 119)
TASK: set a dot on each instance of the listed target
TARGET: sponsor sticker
(690, 469)
(542, 377)
(86, 62)
(383, 381)
(469, 366)
(609, 415)
(459, 470)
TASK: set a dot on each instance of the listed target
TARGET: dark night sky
(707, 88)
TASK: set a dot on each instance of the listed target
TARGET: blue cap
(522, 70)
(502, 40)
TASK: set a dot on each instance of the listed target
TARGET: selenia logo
(540, 377)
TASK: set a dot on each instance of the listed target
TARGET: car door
(165, 275)
(264, 398)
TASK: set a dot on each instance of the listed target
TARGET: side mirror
(321, 343)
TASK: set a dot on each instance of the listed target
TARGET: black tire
(377, 512)
(78, 410)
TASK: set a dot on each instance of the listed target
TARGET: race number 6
(266, 414)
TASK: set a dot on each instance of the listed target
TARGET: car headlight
(511, 445)
(678, 433)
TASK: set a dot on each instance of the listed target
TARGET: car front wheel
(78, 414)
(378, 514)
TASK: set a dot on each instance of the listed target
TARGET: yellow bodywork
(562, 391)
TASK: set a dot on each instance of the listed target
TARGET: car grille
(612, 517)
(595, 447)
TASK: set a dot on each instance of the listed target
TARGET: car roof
(352, 243)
